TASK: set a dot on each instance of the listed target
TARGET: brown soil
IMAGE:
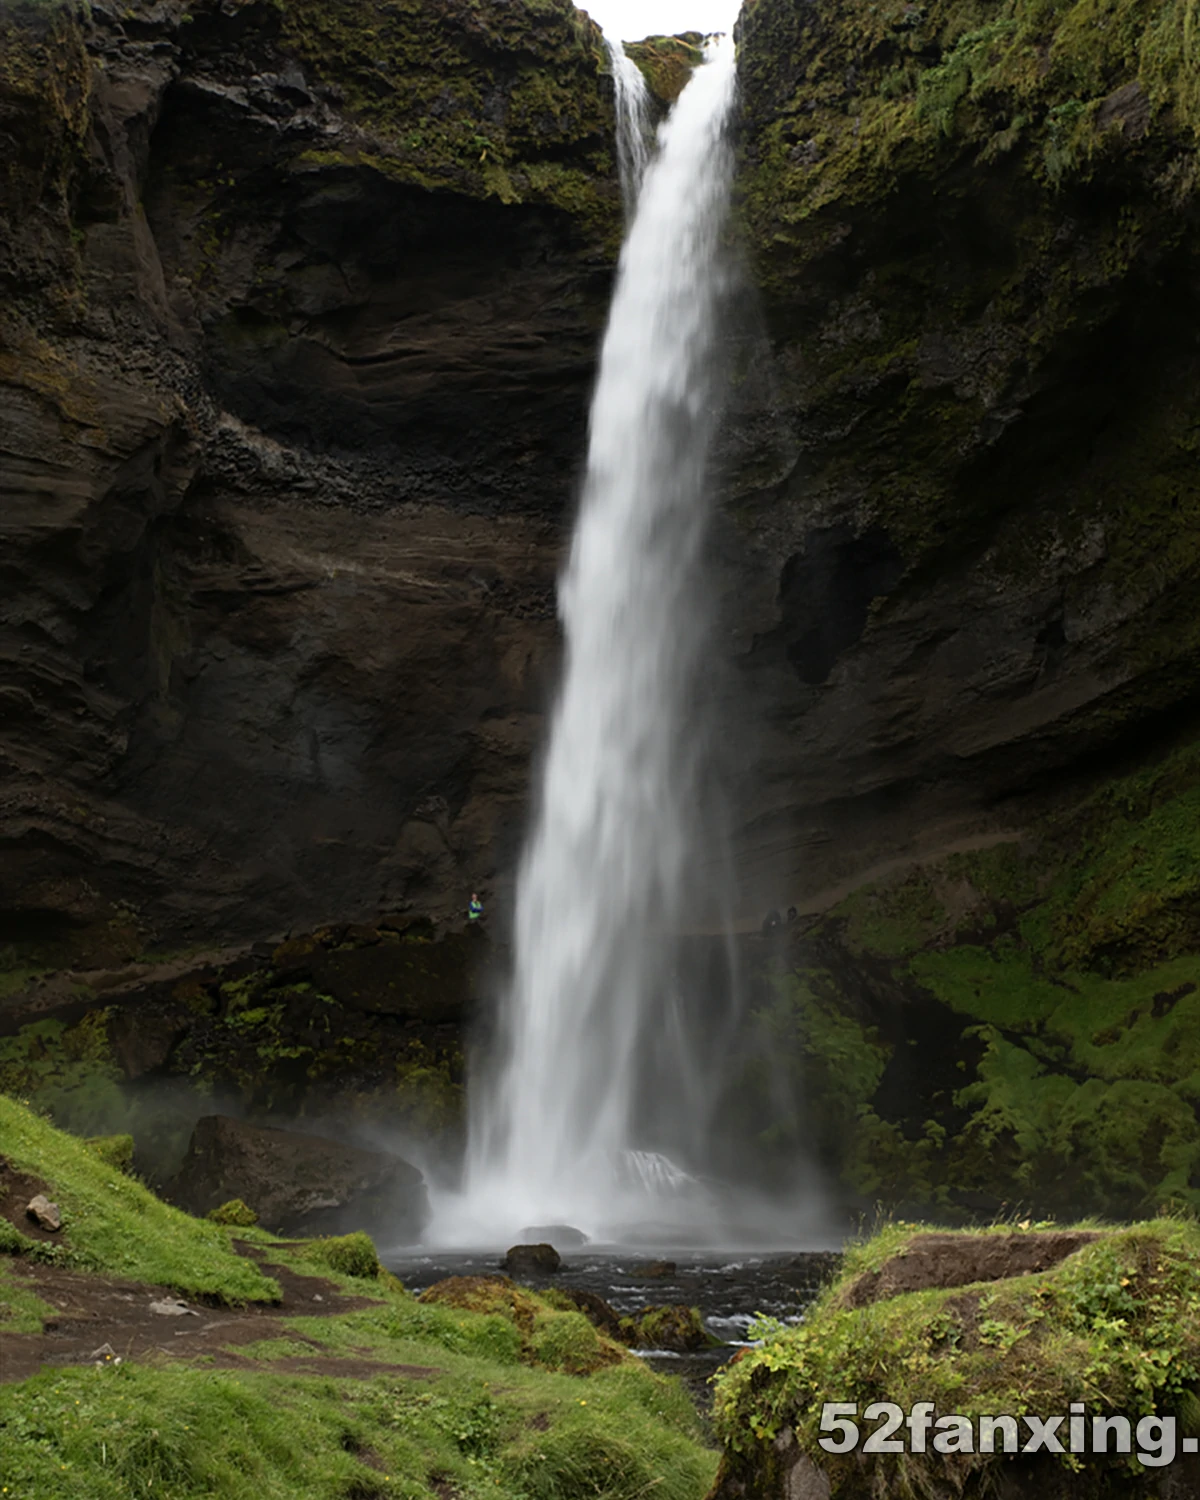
(94, 1311)
(16, 1189)
(936, 1261)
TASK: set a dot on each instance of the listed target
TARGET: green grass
(21, 1311)
(1116, 1325)
(112, 1223)
(171, 1431)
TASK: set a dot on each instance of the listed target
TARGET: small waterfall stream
(633, 122)
(611, 872)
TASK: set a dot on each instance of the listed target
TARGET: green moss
(667, 63)
(235, 1214)
(1114, 1325)
(673, 1327)
(1064, 972)
(501, 102)
(66, 1069)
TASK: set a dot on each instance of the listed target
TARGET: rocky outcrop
(360, 1027)
(299, 315)
(300, 1184)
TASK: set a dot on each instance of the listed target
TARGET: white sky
(633, 19)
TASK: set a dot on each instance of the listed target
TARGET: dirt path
(99, 1318)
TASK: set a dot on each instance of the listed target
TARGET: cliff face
(977, 236)
(975, 230)
(299, 309)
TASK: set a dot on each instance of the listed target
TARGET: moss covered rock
(1109, 1321)
(551, 1336)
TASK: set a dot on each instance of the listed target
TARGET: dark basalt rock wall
(300, 307)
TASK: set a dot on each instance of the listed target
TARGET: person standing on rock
(474, 908)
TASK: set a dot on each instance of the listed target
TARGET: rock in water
(531, 1260)
(675, 1327)
(660, 1270)
(561, 1236)
(600, 1314)
(44, 1213)
(300, 1184)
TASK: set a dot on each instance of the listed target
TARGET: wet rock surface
(290, 410)
(531, 1260)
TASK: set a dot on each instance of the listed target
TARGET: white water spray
(633, 121)
(611, 873)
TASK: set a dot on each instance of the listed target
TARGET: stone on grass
(173, 1308)
(44, 1213)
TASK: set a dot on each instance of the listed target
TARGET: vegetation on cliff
(1016, 1025)
(1110, 1320)
(499, 100)
(975, 228)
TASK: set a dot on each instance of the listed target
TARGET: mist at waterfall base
(596, 1104)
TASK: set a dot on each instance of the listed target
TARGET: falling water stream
(610, 874)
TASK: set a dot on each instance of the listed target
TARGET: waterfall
(633, 121)
(612, 871)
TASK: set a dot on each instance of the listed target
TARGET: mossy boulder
(667, 63)
(235, 1214)
(551, 1336)
(674, 1327)
(1110, 1321)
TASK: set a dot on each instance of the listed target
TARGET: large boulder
(301, 1184)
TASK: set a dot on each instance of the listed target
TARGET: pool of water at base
(729, 1289)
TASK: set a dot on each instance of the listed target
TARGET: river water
(729, 1289)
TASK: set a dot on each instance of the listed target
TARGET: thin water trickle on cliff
(611, 871)
(633, 121)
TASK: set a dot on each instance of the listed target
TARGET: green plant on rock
(235, 1214)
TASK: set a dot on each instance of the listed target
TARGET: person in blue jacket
(474, 909)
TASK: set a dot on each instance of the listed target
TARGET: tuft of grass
(347, 1254)
(114, 1150)
(112, 1223)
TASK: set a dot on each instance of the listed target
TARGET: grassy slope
(1114, 1325)
(502, 1414)
(112, 1223)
